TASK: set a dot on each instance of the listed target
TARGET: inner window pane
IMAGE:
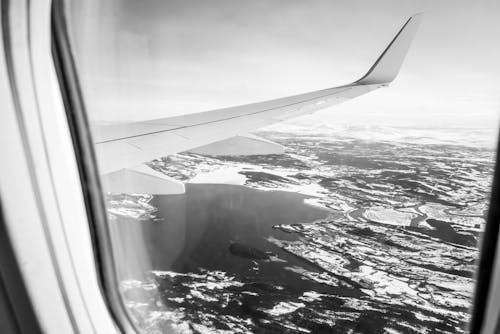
(367, 222)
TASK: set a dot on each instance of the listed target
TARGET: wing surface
(126, 145)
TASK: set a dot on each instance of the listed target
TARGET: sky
(150, 59)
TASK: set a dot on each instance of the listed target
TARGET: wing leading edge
(127, 145)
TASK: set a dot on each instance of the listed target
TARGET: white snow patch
(389, 216)
(177, 299)
(310, 296)
(228, 175)
(197, 294)
(284, 308)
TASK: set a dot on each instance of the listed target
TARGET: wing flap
(240, 145)
(141, 180)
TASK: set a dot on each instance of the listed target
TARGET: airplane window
(245, 194)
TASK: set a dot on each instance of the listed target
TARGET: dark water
(215, 227)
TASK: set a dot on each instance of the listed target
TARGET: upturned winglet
(387, 66)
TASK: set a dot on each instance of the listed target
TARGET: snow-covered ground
(396, 253)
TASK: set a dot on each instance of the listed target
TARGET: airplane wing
(122, 148)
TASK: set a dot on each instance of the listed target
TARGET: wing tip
(387, 66)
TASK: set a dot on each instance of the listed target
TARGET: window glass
(361, 218)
